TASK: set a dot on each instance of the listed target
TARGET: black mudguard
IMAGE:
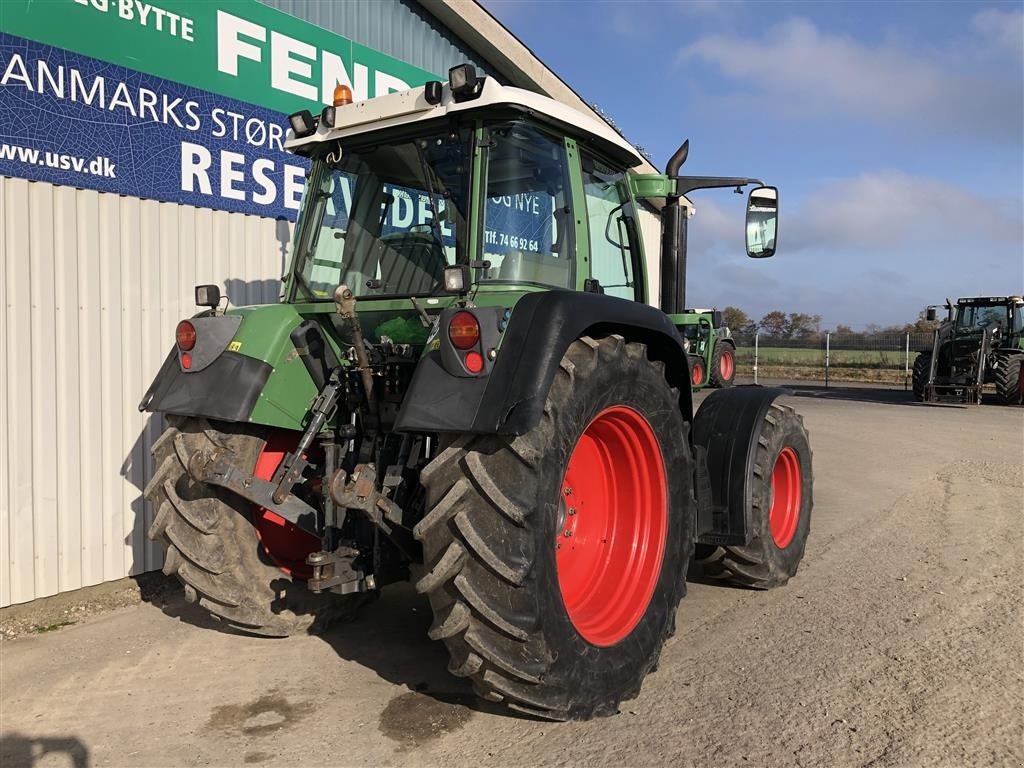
(510, 400)
(725, 432)
(227, 389)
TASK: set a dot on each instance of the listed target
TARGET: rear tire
(500, 571)
(919, 377)
(1007, 375)
(781, 497)
(723, 365)
(211, 544)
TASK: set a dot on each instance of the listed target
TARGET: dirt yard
(900, 642)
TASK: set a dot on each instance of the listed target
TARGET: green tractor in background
(980, 342)
(472, 383)
(709, 346)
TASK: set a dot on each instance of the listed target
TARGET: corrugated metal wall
(399, 28)
(93, 286)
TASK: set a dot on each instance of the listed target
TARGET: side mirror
(762, 222)
(930, 315)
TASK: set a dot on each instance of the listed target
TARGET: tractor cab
(1002, 316)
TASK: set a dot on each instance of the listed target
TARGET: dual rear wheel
(781, 493)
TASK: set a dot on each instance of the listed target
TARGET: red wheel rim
(786, 489)
(613, 523)
(284, 542)
(726, 365)
(697, 374)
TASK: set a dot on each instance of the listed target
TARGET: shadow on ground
(879, 396)
(20, 751)
(387, 636)
(856, 394)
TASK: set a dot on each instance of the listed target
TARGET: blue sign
(519, 222)
(73, 120)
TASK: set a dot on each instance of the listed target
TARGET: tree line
(802, 326)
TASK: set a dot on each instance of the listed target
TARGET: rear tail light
(464, 330)
(474, 362)
(185, 335)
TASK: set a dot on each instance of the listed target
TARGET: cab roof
(991, 300)
(406, 108)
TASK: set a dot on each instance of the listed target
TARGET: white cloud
(875, 212)
(876, 247)
(1003, 29)
(891, 210)
(797, 70)
(708, 8)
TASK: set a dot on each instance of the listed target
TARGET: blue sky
(894, 130)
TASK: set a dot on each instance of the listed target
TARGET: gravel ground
(899, 643)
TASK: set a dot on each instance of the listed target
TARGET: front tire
(219, 546)
(520, 549)
(781, 499)
(1008, 377)
(919, 377)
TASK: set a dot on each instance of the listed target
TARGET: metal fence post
(906, 365)
(757, 337)
(828, 347)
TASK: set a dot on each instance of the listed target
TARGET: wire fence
(832, 357)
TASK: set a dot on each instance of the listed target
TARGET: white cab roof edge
(410, 107)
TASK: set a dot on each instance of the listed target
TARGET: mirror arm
(686, 184)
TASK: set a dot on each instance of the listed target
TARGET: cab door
(616, 254)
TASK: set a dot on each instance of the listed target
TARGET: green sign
(236, 48)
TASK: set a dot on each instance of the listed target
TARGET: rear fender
(260, 374)
(725, 433)
(509, 400)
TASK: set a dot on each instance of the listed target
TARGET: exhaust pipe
(673, 242)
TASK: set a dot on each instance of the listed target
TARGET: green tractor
(709, 346)
(980, 342)
(470, 384)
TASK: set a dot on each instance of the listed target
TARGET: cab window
(614, 249)
(384, 219)
(1018, 319)
(527, 232)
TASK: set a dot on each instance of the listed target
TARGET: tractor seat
(411, 263)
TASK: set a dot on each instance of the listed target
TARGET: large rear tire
(781, 498)
(555, 561)
(1008, 377)
(723, 365)
(919, 376)
(212, 541)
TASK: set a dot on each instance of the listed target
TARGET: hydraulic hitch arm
(294, 464)
(213, 468)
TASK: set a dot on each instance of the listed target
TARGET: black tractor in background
(980, 342)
